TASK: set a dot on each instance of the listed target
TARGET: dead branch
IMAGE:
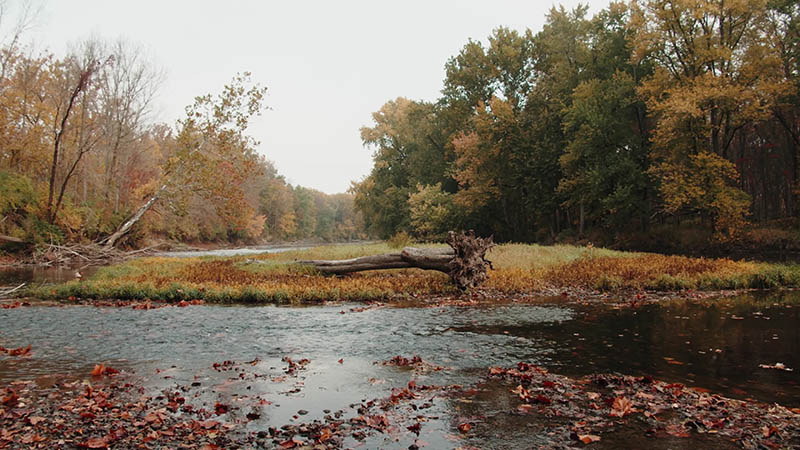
(5, 292)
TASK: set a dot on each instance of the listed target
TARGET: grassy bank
(518, 269)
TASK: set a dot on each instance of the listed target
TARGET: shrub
(399, 240)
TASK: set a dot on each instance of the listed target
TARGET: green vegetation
(649, 114)
(518, 269)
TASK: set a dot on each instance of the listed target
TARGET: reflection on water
(717, 346)
(41, 274)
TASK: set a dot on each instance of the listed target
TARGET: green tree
(607, 153)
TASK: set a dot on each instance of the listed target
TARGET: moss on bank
(518, 269)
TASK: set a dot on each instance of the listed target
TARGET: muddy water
(717, 346)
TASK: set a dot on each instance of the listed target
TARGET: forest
(650, 125)
(656, 125)
(80, 156)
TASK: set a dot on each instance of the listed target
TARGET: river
(716, 346)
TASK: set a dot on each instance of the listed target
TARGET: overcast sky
(328, 64)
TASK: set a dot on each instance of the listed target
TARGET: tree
(74, 111)
(432, 212)
(213, 155)
(606, 157)
(716, 74)
(409, 148)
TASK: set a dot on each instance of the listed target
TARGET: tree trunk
(465, 261)
(111, 240)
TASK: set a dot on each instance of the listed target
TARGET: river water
(713, 345)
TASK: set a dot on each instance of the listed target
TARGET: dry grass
(519, 269)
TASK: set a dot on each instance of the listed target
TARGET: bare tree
(73, 80)
(126, 93)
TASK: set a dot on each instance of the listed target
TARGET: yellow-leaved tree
(717, 75)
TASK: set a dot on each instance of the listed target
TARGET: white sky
(328, 64)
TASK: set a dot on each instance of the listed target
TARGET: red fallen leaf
(208, 424)
(220, 409)
(542, 399)
(588, 438)
(325, 435)
(14, 305)
(341, 361)
(95, 443)
(22, 351)
(769, 431)
(6, 435)
(11, 399)
(377, 422)
(548, 384)
(496, 371)
(98, 370)
(795, 410)
(677, 431)
(464, 427)
(414, 428)
(290, 443)
(35, 420)
(621, 407)
(87, 415)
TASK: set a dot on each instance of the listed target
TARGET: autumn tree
(212, 155)
(716, 74)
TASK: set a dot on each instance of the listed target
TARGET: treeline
(651, 112)
(81, 159)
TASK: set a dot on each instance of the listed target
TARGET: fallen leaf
(35, 420)
(588, 438)
(464, 427)
(98, 370)
(22, 351)
(621, 407)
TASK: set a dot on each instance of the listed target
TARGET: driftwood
(84, 254)
(5, 292)
(11, 239)
(465, 261)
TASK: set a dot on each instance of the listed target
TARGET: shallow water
(33, 274)
(230, 251)
(717, 346)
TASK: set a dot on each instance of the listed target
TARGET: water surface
(717, 346)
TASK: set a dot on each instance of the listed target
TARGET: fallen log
(465, 261)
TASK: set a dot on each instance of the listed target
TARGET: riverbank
(519, 270)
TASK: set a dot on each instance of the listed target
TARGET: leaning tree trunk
(465, 261)
(128, 224)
